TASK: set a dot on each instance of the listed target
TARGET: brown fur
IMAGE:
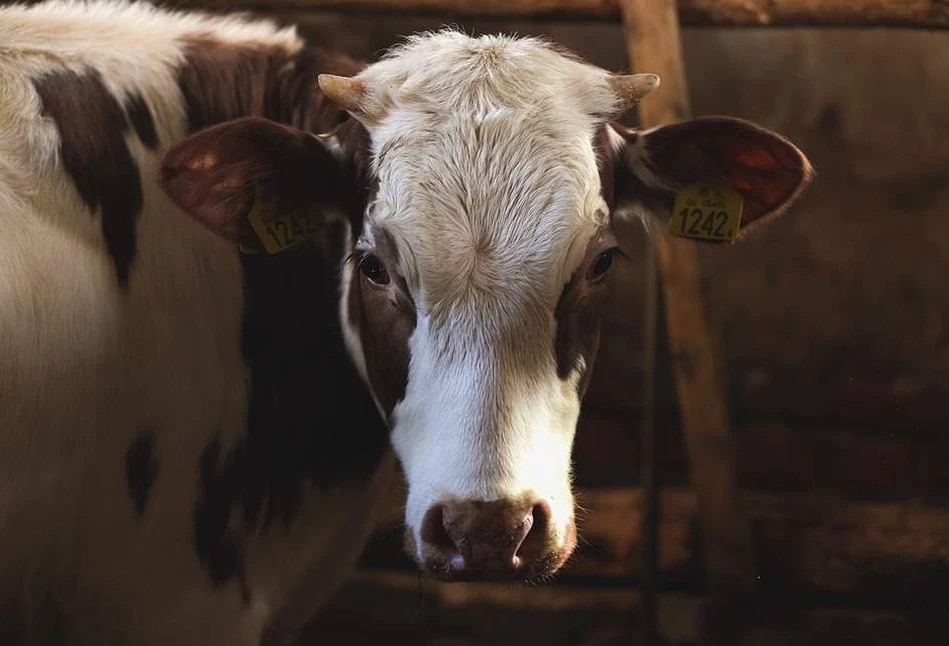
(222, 81)
(606, 166)
(310, 416)
(141, 119)
(578, 328)
(92, 127)
(385, 318)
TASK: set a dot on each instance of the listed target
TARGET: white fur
(84, 367)
(488, 183)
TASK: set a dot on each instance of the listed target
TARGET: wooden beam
(396, 609)
(930, 14)
(651, 31)
(927, 14)
(649, 463)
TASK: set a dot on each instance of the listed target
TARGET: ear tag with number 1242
(707, 210)
(277, 231)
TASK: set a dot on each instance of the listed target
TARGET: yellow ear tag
(708, 210)
(277, 231)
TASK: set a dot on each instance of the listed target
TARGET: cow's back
(121, 359)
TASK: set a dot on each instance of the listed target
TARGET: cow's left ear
(218, 174)
(651, 166)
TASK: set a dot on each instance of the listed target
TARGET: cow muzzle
(467, 540)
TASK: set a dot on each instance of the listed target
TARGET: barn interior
(810, 505)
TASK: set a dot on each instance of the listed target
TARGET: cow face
(481, 241)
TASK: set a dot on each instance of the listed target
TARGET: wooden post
(652, 35)
(650, 476)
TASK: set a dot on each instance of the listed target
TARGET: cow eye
(602, 264)
(371, 267)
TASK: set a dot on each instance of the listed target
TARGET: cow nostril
(541, 515)
(521, 533)
(534, 541)
(433, 529)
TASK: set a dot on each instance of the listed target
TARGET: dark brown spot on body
(141, 118)
(141, 469)
(577, 338)
(92, 127)
(311, 420)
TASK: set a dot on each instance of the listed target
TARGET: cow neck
(311, 420)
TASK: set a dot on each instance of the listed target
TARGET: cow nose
(484, 540)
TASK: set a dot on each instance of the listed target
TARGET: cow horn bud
(631, 88)
(346, 92)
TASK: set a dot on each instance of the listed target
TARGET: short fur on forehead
(450, 71)
(488, 179)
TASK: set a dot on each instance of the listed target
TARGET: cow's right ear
(217, 174)
(768, 171)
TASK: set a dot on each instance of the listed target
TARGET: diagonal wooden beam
(651, 31)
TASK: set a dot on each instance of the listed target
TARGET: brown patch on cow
(577, 339)
(225, 81)
(141, 468)
(605, 165)
(385, 318)
(141, 118)
(311, 420)
(92, 127)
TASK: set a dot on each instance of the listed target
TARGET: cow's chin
(442, 566)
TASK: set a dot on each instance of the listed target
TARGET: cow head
(480, 180)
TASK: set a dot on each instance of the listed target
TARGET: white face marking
(489, 188)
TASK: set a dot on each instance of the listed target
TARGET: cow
(241, 279)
